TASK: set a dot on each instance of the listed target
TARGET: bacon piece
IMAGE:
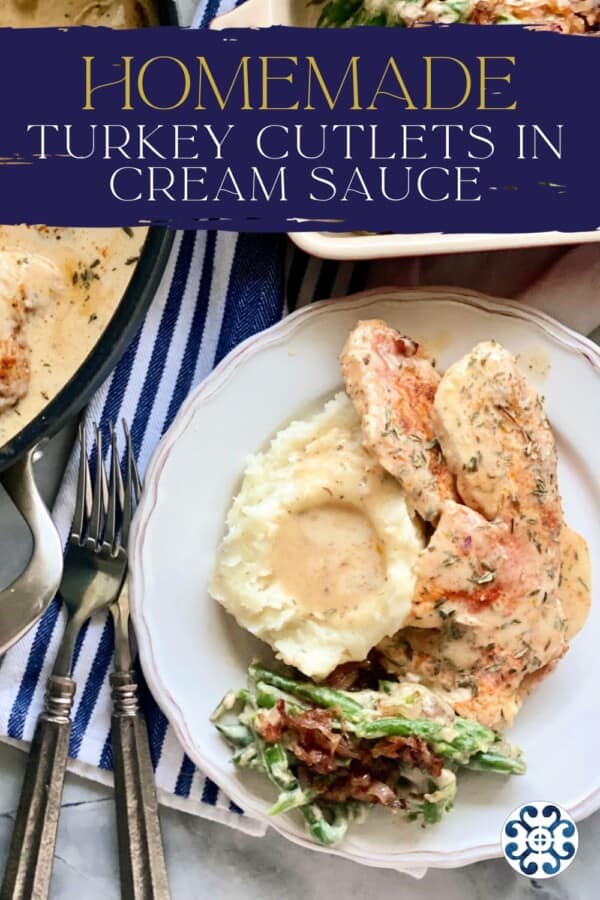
(312, 740)
(345, 676)
(311, 737)
(271, 723)
(361, 785)
(412, 751)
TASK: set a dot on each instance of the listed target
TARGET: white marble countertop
(210, 860)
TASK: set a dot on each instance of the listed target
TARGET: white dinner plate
(192, 652)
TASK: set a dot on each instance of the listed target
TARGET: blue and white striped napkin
(218, 289)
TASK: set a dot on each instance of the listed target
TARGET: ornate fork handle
(29, 865)
(141, 855)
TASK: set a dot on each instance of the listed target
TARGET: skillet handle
(23, 602)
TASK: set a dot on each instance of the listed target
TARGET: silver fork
(95, 567)
(141, 855)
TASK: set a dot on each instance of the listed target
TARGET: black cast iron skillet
(24, 601)
(103, 356)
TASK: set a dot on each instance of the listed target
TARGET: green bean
(470, 736)
(318, 694)
(248, 758)
(322, 830)
(235, 733)
(396, 726)
(292, 796)
(277, 766)
(458, 741)
(230, 701)
(292, 799)
(492, 761)
(267, 696)
(432, 812)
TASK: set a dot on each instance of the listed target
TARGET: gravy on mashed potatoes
(320, 546)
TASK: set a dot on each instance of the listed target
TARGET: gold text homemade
(289, 83)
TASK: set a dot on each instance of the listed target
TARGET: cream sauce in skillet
(50, 13)
(88, 268)
(95, 266)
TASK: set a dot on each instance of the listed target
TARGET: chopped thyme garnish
(450, 560)
(85, 275)
(390, 427)
(469, 683)
(484, 578)
(455, 630)
(418, 459)
(535, 541)
(473, 464)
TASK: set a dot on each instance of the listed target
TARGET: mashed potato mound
(320, 546)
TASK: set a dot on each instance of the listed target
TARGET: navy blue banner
(453, 129)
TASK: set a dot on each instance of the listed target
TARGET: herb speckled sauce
(69, 280)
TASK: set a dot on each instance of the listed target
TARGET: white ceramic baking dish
(262, 13)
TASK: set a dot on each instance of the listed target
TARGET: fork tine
(83, 503)
(118, 475)
(133, 487)
(136, 480)
(100, 495)
(115, 493)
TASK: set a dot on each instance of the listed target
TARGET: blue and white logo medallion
(539, 839)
